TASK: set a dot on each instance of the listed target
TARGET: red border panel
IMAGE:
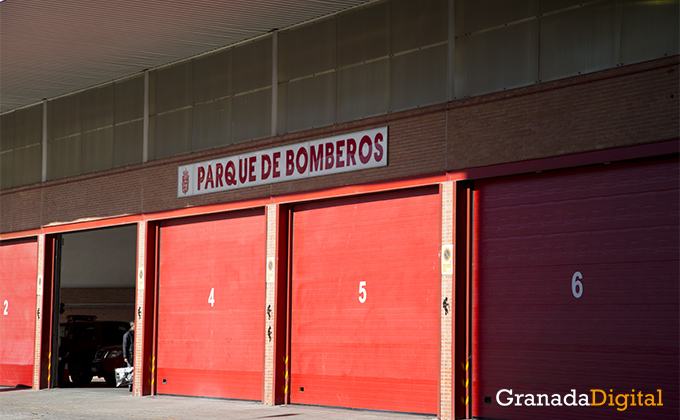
(211, 300)
(541, 328)
(365, 302)
(18, 277)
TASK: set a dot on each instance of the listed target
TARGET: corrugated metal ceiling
(49, 48)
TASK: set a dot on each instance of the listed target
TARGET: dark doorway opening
(94, 299)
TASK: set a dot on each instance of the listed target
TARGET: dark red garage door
(365, 302)
(576, 288)
(18, 276)
(211, 299)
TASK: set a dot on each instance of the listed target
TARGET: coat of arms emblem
(185, 182)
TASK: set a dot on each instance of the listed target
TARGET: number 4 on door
(211, 298)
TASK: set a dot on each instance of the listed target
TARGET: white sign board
(270, 270)
(447, 260)
(343, 153)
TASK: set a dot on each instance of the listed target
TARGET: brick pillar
(447, 299)
(270, 306)
(40, 313)
(140, 311)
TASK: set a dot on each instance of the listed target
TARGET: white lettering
(572, 397)
(506, 397)
(338, 154)
(529, 400)
(508, 401)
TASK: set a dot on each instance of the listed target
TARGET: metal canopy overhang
(48, 49)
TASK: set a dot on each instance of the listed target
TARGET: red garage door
(18, 275)
(576, 288)
(211, 299)
(365, 303)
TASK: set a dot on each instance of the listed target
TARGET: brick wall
(624, 106)
(106, 304)
(620, 107)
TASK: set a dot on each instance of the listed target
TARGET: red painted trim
(352, 190)
(474, 368)
(469, 196)
(460, 300)
(149, 309)
(20, 235)
(263, 297)
(90, 224)
(152, 264)
(207, 209)
(46, 350)
(288, 296)
(281, 307)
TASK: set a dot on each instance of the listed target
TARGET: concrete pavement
(100, 402)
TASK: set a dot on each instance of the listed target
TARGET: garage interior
(96, 276)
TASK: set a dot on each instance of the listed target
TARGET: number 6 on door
(362, 291)
(577, 285)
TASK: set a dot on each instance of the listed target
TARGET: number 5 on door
(362, 291)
